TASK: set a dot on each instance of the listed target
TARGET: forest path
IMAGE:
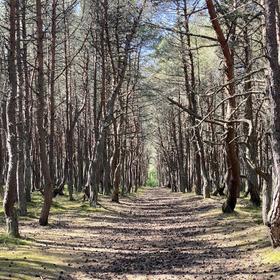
(163, 235)
(155, 235)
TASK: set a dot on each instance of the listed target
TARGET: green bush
(152, 180)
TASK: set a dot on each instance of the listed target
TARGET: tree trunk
(273, 57)
(27, 115)
(250, 150)
(41, 110)
(11, 184)
(20, 127)
(233, 164)
(52, 91)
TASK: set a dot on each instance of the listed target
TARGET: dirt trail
(159, 235)
(163, 236)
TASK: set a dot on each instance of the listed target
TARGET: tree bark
(27, 114)
(233, 164)
(52, 90)
(251, 143)
(273, 57)
(41, 110)
(11, 184)
(20, 126)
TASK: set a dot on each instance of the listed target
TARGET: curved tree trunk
(233, 164)
(250, 150)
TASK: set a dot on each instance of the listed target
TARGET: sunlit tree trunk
(41, 110)
(233, 164)
(273, 57)
(21, 194)
(11, 184)
(52, 90)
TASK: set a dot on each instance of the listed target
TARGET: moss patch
(243, 229)
(42, 254)
(28, 264)
(270, 256)
(26, 259)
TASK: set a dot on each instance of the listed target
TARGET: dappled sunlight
(155, 233)
(139, 139)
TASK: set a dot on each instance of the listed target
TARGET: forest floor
(153, 235)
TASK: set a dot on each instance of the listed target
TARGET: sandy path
(158, 235)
